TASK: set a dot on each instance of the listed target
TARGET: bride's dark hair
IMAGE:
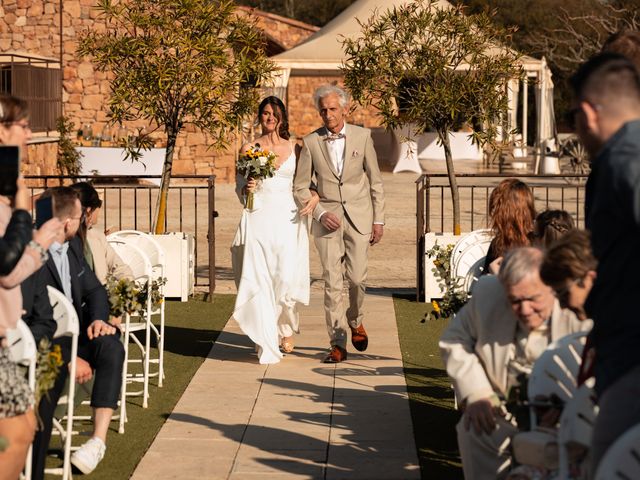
(280, 112)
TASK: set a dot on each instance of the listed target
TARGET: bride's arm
(310, 205)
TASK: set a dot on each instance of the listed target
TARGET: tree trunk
(161, 204)
(455, 195)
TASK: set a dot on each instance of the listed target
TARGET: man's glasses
(562, 293)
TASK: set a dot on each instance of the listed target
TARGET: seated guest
(100, 256)
(99, 349)
(550, 225)
(489, 346)
(511, 213)
(569, 267)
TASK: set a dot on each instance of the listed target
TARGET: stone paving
(301, 418)
(297, 419)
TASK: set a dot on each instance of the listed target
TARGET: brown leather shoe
(359, 338)
(336, 355)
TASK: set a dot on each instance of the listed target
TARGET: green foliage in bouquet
(454, 296)
(129, 296)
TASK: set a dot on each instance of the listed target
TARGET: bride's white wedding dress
(270, 257)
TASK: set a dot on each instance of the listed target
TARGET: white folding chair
(156, 255)
(141, 268)
(23, 350)
(622, 460)
(576, 428)
(555, 373)
(67, 326)
(468, 255)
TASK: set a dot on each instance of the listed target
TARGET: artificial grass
(430, 394)
(191, 328)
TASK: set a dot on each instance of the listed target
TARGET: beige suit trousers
(346, 248)
(486, 457)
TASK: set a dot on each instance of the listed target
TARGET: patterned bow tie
(334, 136)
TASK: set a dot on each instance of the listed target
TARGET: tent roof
(323, 50)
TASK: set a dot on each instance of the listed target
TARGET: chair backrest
(468, 255)
(621, 460)
(134, 257)
(63, 313)
(555, 372)
(22, 345)
(576, 428)
(148, 244)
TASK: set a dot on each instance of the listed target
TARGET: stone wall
(32, 27)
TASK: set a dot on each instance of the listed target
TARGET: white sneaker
(89, 455)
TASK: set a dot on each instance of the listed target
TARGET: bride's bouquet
(256, 163)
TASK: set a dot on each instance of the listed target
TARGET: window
(36, 80)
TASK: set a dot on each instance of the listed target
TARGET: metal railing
(434, 206)
(126, 204)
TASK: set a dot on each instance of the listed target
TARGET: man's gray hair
(518, 264)
(326, 90)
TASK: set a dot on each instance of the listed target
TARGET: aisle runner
(297, 419)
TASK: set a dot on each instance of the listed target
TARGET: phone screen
(44, 210)
(9, 169)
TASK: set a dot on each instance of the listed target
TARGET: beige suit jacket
(475, 346)
(105, 258)
(356, 194)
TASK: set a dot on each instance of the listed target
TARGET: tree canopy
(432, 68)
(174, 62)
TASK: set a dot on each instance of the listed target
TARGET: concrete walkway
(297, 419)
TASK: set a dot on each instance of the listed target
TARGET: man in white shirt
(342, 162)
(489, 345)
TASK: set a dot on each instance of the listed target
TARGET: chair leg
(147, 351)
(123, 388)
(161, 347)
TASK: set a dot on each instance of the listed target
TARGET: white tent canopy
(322, 53)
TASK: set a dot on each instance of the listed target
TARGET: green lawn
(190, 330)
(430, 393)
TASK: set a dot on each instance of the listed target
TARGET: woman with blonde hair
(512, 213)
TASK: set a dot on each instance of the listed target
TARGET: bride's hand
(311, 204)
(250, 186)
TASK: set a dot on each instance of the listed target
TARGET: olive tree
(429, 65)
(178, 62)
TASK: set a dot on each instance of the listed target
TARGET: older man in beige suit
(341, 160)
(489, 345)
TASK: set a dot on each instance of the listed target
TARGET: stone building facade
(51, 29)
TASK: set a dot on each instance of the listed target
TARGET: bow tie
(334, 136)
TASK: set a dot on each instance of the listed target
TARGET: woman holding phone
(22, 252)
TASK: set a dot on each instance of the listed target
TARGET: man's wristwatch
(44, 255)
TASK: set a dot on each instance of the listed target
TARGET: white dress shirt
(336, 150)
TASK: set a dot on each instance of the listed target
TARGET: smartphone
(9, 169)
(44, 210)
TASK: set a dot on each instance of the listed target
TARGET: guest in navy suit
(100, 352)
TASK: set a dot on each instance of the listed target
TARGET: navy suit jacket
(90, 298)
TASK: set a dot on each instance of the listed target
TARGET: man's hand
(99, 328)
(83, 370)
(330, 221)
(376, 233)
(482, 415)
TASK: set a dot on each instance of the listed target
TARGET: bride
(270, 252)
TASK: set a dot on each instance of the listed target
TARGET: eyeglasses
(24, 125)
(570, 116)
(562, 293)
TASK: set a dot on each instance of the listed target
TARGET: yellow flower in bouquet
(258, 164)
